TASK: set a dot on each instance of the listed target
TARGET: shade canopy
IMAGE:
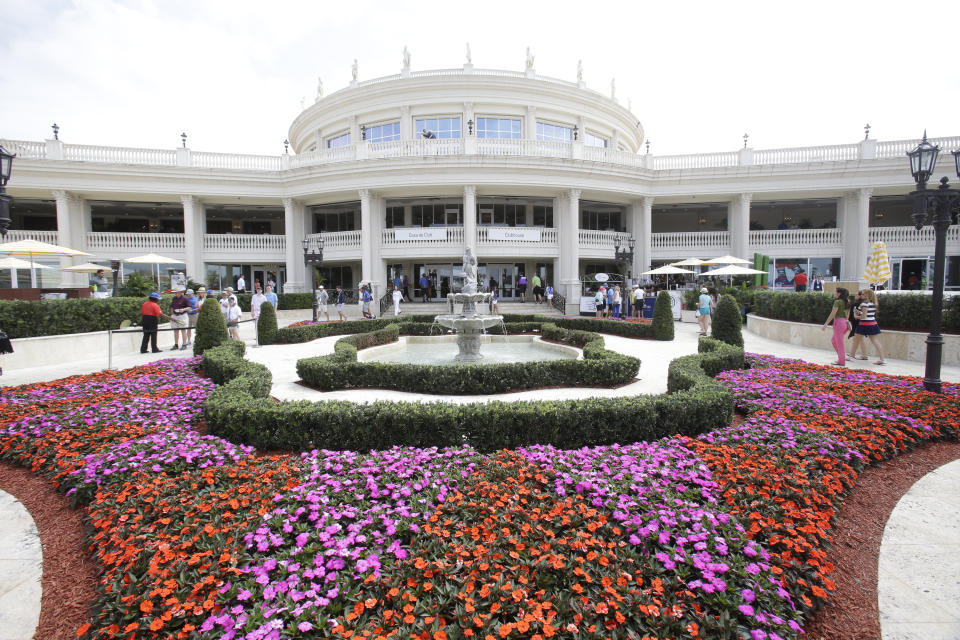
(728, 259)
(153, 258)
(667, 270)
(732, 270)
(86, 267)
(878, 266)
(690, 262)
(17, 263)
(36, 248)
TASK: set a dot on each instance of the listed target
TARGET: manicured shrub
(267, 324)
(728, 324)
(32, 318)
(662, 317)
(284, 301)
(211, 327)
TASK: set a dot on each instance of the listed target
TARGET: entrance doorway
(503, 277)
(443, 278)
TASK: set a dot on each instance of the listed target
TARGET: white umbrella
(17, 263)
(666, 270)
(732, 270)
(728, 259)
(151, 259)
(86, 267)
(33, 248)
(690, 262)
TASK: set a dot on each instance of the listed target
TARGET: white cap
(321, 286)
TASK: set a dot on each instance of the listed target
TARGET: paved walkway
(919, 580)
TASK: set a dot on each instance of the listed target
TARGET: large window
(329, 222)
(339, 141)
(511, 215)
(384, 132)
(428, 215)
(601, 219)
(440, 127)
(394, 217)
(594, 141)
(542, 216)
(554, 132)
(498, 128)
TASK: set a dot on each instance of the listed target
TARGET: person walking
(522, 287)
(256, 301)
(233, 318)
(549, 293)
(617, 302)
(424, 287)
(704, 304)
(323, 298)
(150, 313)
(397, 298)
(365, 298)
(272, 297)
(852, 322)
(241, 284)
(838, 315)
(537, 289)
(342, 300)
(867, 314)
(181, 315)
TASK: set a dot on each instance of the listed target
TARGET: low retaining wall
(900, 345)
(49, 350)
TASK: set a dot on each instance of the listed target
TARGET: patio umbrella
(33, 248)
(154, 259)
(690, 262)
(878, 265)
(727, 259)
(17, 263)
(666, 270)
(86, 267)
(732, 270)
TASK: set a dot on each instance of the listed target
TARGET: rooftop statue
(406, 58)
(469, 57)
(319, 88)
(529, 60)
(353, 70)
(579, 70)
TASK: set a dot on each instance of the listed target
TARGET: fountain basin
(468, 324)
(443, 350)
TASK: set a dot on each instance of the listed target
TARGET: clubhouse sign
(513, 234)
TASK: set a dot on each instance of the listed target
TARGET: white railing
(235, 161)
(146, 242)
(416, 147)
(119, 155)
(909, 236)
(26, 148)
(591, 239)
(696, 161)
(248, 242)
(807, 154)
(50, 237)
(454, 237)
(899, 148)
(690, 240)
(324, 156)
(548, 236)
(336, 240)
(795, 238)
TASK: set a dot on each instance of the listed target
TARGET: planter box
(900, 345)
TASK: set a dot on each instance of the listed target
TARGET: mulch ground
(69, 575)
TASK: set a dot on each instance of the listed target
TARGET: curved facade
(536, 175)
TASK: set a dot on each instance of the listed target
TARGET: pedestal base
(469, 345)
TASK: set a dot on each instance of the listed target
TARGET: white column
(406, 124)
(570, 248)
(366, 237)
(71, 233)
(530, 128)
(193, 227)
(853, 218)
(470, 218)
(738, 224)
(296, 227)
(639, 223)
(378, 214)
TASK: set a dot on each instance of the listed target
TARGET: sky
(699, 75)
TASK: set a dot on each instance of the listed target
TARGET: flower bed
(724, 534)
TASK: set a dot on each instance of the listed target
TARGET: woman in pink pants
(838, 314)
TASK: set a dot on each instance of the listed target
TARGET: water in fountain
(468, 324)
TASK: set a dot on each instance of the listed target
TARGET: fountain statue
(468, 324)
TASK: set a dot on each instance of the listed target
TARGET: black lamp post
(6, 166)
(934, 206)
(313, 258)
(624, 256)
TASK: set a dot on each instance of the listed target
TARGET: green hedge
(284, 301)
(241, 411)
(907, 311)
(32, 318)
(340, 370)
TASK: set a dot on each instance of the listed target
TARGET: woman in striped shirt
(866, 313)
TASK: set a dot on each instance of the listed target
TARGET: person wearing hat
(256, 301)
(196, 301)
(150, 313)
(323, 298)
(705, 304)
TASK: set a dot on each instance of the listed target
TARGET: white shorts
(181, 317)
(322, 308)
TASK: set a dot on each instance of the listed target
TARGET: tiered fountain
(468, 324)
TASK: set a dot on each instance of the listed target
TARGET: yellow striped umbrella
(878, 266)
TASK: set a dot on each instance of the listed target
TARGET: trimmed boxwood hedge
(907, 311)
(32, 318)
(241, 411)
(340, 370)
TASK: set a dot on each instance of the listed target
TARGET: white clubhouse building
(537, 175)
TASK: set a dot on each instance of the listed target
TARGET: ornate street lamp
(313, 258)
(933, 206)
(6, 166)
(624, 256)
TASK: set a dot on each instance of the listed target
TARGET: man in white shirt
(255, 302)
(241, 284)
(322, 299)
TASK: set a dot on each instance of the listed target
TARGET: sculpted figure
(406, 59)
(469, 271)
(354, 70)
(469, 57)
(529, 60)
(579, 70)
(319, 88)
